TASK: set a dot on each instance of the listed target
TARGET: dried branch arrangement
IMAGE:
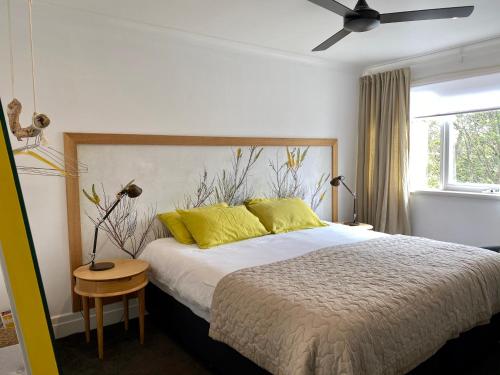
(123, 227)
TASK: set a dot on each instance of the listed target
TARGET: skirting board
(70, 323)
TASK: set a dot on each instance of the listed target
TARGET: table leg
(142, 308)
(125, 311)
(86, 317)
(100, 337)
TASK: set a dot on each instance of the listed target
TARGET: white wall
(456, 218)
(97, 74)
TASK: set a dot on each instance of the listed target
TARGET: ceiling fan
(363, 18)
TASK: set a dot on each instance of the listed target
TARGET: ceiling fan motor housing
(363, 19)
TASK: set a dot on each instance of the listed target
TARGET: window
(451, 149)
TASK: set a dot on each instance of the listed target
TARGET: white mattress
(190, 275)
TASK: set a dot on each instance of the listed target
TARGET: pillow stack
(220, 224)
(213, 225)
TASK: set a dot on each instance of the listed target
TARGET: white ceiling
(298, 25)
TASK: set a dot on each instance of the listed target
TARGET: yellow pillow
(213, 226)
(284, 215)
(172, 220)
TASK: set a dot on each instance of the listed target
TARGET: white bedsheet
(190, 275)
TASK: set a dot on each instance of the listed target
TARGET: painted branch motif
(231, 185)
(130, 234)
(287, 180)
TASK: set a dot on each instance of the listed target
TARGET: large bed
(190, 275)
(327, 300)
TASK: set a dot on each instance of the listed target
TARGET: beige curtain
(383, 151)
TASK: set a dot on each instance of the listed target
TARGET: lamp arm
(96, 231)
(355, 207)
(113, 206)
(349, 190)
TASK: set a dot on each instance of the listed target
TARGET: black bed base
(191, 332)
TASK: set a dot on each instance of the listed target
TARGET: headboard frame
(72, 140)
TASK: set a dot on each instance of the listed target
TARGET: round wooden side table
(127, 276)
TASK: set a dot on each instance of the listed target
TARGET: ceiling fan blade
(427, 14)
(332, 40)
(333, 6)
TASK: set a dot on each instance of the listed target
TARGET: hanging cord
(11, 52)
(9, 23)
(32, 56)
(41, 137)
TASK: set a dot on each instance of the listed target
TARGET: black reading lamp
(336, 182)
(130, 190)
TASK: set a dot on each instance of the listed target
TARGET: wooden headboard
(73, 188)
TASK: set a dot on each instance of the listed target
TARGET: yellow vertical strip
(22, 267)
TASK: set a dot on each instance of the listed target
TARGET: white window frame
(446, 167)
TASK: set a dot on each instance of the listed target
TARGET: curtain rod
(462, 74)
(459, 113)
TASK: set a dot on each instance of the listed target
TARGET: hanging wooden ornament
(53, 162)
(39, 121)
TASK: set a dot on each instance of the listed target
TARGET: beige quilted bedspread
(376, 307)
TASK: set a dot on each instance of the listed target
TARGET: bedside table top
(361, 226)
(123, 268)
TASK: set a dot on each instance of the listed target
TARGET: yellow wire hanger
(53, 167)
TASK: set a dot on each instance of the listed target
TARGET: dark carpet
(123, 355)
(160, 355)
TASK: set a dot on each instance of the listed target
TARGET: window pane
(475, 148)
(425, 153)
(434, 154)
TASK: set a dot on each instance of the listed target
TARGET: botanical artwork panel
(185, 176)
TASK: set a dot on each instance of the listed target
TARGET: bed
(320, 301)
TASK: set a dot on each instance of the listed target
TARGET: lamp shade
(336, 180)
(132, 191)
